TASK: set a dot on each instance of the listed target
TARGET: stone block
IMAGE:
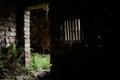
(7, 45)
(9, 33)
(13, 34)
(3, 28)
(26, 16)
(27, 41)
(2, 33)
(27, 24)
(9, 24)
(27, 62)
(14, 25)
(27, 12)
(27, 45)
(12, 39)
(26, 36)
(27, 20)
(26, 29)
(27, 54)
(7, 39)
(27, 49)
(27, 32)
(13, 29)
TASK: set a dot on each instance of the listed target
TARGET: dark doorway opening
(40, 32)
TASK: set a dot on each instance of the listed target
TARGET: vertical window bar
(70, 36)
(78, 29)
(65, 30)
(68, 31)
(73, 30)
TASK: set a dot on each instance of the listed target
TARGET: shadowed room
(55, 39)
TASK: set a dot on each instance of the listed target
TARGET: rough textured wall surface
(7, 29)
(7, 23)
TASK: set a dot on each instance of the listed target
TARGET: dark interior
(87, 59)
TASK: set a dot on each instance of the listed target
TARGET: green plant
(39, 62)
(11, 62)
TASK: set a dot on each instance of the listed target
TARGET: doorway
(40, 31)
(37, 35)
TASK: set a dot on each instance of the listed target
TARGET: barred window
(70, 30)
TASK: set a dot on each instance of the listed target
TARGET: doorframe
(27, 29)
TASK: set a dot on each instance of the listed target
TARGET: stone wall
(7, 30)
(7, 24)
(27, 37)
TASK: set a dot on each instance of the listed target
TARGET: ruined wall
(7, 30)
(7, 23)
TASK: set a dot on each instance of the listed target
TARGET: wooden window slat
(70, 29)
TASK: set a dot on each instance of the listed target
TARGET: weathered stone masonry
(27, 37)
(7, 31)
(7, 24)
